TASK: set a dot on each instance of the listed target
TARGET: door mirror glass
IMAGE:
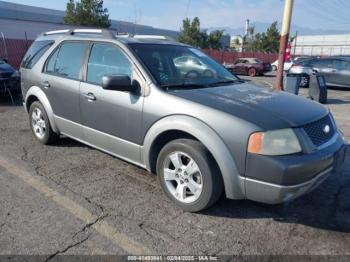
(117, 83)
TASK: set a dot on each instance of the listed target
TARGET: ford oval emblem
(326, 129)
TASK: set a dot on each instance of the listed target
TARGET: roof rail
(104, 32)
(124, 34)
(160, 37)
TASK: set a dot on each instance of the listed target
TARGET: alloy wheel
(38, 123)
(182, 177)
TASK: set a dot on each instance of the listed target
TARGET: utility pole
(287, 17)
(295, 42)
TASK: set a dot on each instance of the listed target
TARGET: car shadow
(327, 207)
(68, 142)
(336, 101)
(338, 88)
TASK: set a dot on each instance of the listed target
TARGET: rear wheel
(40, 124)
(304, 81)
(252, 72)
(189, 175)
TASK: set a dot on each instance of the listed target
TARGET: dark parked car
(336, 70)
(248, 66)
(9, 78)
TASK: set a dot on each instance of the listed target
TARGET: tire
(40, 124)
(274, 68)
(304, 81)
(252, 72)
(208, 73)
(194, 74)
(199, 181)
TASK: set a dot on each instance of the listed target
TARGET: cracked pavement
(131, 202)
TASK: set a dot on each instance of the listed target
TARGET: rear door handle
(90, 97)
(46, 84)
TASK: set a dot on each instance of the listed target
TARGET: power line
(188, 7)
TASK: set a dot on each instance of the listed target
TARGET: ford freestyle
(169, 108)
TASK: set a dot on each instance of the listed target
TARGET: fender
(234, 186)
(38, 93)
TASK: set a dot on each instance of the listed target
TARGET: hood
(6, 68)
(267, 108)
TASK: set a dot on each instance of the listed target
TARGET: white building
(321, 45)
(236, 42)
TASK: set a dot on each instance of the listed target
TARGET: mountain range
(262, 26)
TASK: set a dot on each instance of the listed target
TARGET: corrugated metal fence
(230, 57)
(14, 50)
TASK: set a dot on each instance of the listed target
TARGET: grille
(316, 133)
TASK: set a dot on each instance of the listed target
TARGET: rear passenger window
(35, 52)
(66, 61)
(321, 63)
(106, 60)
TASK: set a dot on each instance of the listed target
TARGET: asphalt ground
(68, 198)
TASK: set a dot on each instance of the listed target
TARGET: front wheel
(40, 124)
(189, 175)
(252, 72)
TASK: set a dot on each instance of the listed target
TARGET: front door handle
(90, 97)
(46, 84)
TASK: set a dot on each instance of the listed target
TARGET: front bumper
(276, 179)
(11, 84)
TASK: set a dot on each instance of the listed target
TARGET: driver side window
(106, 59)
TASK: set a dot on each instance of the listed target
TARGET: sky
(314, 14)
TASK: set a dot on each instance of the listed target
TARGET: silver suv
(203, 132)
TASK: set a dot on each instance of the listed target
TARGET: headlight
(274, 143)
(15, 74)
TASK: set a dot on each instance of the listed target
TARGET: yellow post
(287, 17)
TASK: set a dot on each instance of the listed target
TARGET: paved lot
(70, 199)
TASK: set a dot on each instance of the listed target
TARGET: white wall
(322, 45)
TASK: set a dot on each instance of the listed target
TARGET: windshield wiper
(225, 82)
(185, 85)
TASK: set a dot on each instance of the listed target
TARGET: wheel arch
(174, 127)
(36, 94)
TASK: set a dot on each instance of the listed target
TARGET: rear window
(37, 49)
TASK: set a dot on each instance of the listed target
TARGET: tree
(265, 42)
(214, 39)
(87, 13)
(271, 40)
(191, 34)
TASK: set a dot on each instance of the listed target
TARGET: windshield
(257, 61)
(173, 65)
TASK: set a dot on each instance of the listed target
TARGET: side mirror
(314, 71)
(117, 83)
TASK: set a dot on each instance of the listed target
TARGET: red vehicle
(248, 66)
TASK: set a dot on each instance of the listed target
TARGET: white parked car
(287, 65)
